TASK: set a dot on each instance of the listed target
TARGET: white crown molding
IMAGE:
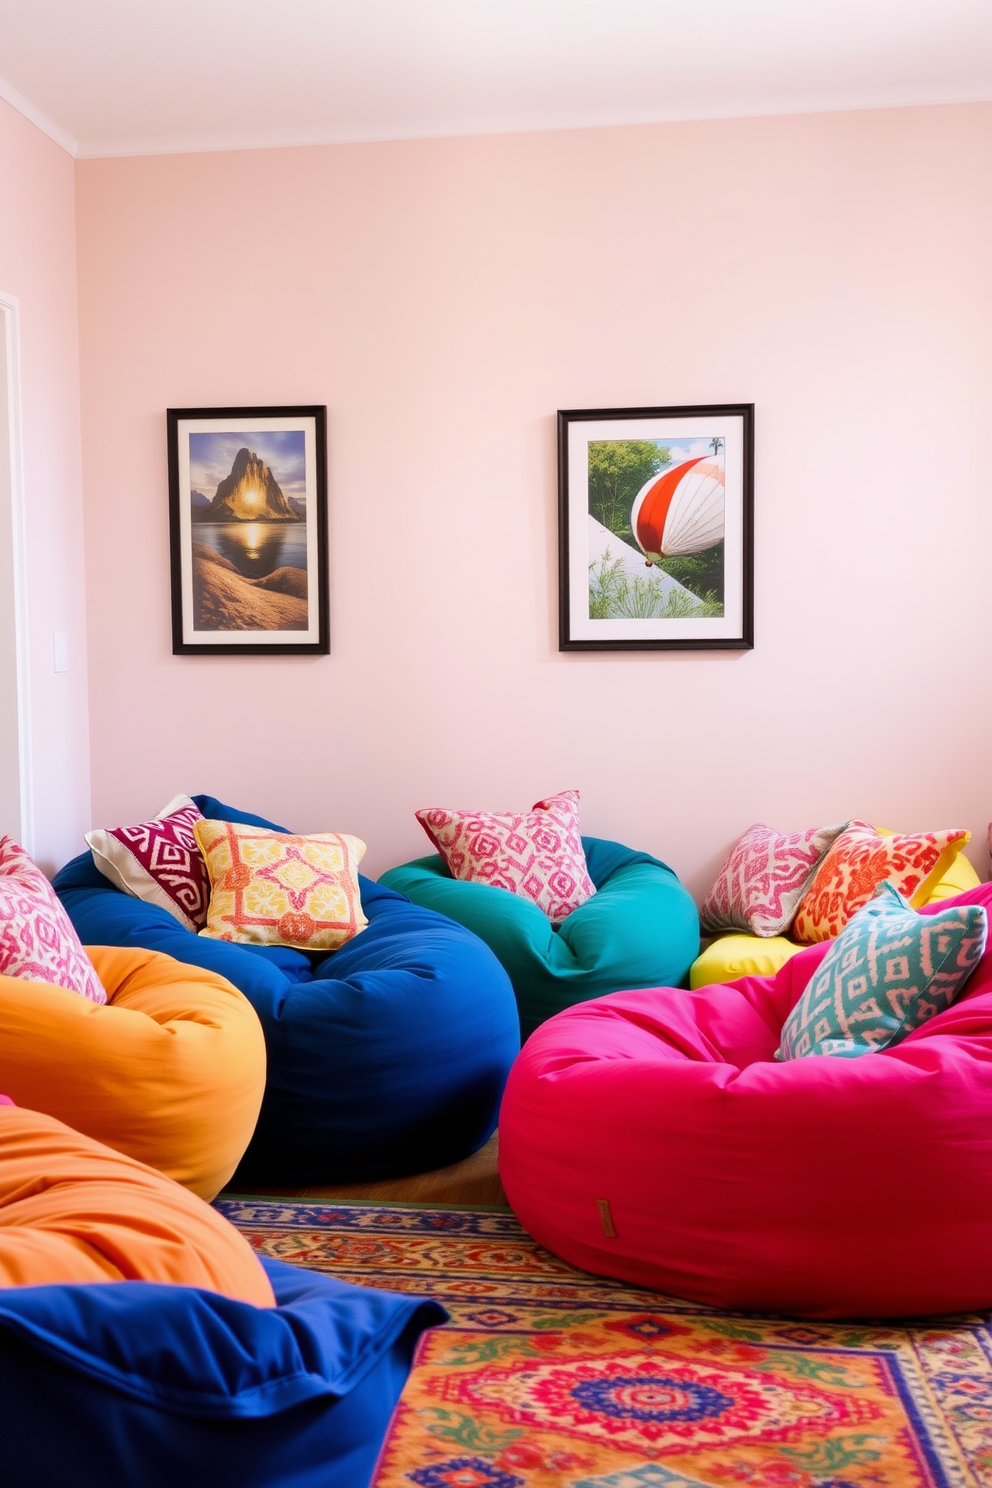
(13, 480)
(280, 139)
(41, 121)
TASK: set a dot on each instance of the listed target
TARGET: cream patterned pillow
(158, 861)
(274, 888)
(761, 883)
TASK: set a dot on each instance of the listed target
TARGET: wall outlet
(61, 651)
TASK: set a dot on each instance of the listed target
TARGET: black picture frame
(242, 584)
(613, 592)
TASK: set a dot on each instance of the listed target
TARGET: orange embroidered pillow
(861, 859)
(272, 888)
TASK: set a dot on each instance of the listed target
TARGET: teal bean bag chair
(640, 928)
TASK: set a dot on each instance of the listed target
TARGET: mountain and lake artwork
(249, 540)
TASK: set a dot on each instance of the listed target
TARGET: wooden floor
(473, 1181)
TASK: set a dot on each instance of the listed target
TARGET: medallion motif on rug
(548, 1377)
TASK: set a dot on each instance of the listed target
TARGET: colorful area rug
(547, 1377)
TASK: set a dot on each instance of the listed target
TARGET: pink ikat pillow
(37, 941)
(762, 883)
(536, 854)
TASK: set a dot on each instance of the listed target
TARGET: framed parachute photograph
(248, 510)
(656, 542)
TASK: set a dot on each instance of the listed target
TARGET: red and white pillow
(159, 861)
(760, 886)
(536, 854)
(861, 859)
(37, 940)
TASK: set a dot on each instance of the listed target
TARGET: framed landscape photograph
(655, 511)
(248, 517)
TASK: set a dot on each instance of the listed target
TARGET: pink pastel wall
(38, 267)
(444, 298)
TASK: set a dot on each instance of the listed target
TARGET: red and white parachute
(681, 510)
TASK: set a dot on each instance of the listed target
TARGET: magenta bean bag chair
(649, 1136)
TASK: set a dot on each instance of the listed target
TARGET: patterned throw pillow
(858, 862)
(37, 940)
(761, 883)
(271, 888)
(158, 861)
(536, 854)
(887, 972)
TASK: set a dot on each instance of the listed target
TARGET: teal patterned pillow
(887, 972)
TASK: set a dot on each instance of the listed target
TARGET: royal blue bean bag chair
(172, 1387)
(639, 929)
(387, 1057)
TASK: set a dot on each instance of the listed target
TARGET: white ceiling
(121, 77)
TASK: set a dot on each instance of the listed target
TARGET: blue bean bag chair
(639, 929)
(387, 1057)
(173, 1387)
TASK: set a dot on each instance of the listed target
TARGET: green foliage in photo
(700, 572)
(615, 595)
(618, 469)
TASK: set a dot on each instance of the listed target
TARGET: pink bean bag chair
(650, 1136)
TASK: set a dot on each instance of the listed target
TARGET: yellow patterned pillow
(271, 888)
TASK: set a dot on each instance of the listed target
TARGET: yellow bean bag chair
(73, 1211)
(730, 957)
(170, 1072)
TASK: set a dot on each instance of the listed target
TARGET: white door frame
(16, 788)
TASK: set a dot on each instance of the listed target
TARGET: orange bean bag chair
(201, 1365)
(170, 1072)
(71, 1210)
